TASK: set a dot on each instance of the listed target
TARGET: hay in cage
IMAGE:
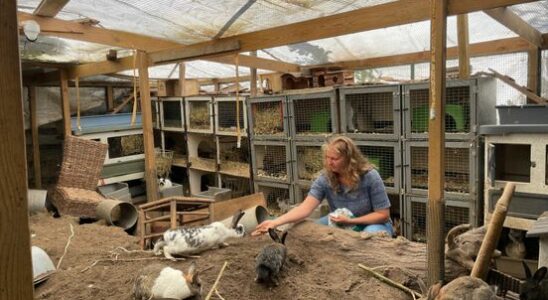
(199, 117)
(202, 163)
(268, 121)
(164, 160)
(236, 168)
(312, 159)
(132, 144)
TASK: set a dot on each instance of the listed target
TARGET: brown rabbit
(271, 259)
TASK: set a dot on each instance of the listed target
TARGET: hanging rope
(238, 135)
(77, 84)
(134, 112)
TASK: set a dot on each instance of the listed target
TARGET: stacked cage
(270, 150)
(463, 173)
(371, 115)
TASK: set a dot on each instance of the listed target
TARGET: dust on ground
(322, 265)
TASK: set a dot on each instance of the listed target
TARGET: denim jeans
(387, 227)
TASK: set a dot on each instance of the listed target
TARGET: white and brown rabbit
(535, 286)
(158, 281)
(465, 287)
(192, 240)
(271, 259)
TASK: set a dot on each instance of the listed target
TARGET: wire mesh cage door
(240, 186)
(176, 142)
(271, 161)
(278, 196)
(307, 161)
(234, 160)
(371, 112)
(461, 169)
(456, 213)
(460, 110)
(155, 110)
(230, 113)
(301, 191)
(172, 113)
(199, 114)
(386, 157)
(268, 117)
(313, 116)
(202, 152)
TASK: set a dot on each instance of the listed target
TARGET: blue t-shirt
(369, 196)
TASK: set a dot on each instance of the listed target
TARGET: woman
(348, 181)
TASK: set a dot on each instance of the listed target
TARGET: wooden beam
(50, 8)
(15, 254)
(513, 22)
(182, 79)
(109, 93)
(148, 135)
(65, 102)
(258, 63)
(33, 99)
(436, 143)
(210, 49)
(369, 18)
(533, 71)
(253, 78)
(464, 47)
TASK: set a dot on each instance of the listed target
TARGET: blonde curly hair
(355, 163)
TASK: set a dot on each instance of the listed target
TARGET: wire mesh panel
(308, 161)
(176, 142)
(271, 161)
(460, 109)
(386, 156)
(199, 114)
(239, 186)
(371, 112)
(172, 113)
(268, 117)
(229, 115)
(301, 191)
(456, 213)
(278, 196)
(313, 115)
(234, 160)
(461, 169)
(202, 152)
(200, 180)
(155, 110)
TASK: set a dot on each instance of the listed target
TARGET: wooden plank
(148, 136)
(511, 82)
(125, 102)
(50, 8)
(513, 22)
(436, 142)
(533, 71)
(33, 99)
(209, 49)
(65, 102)
(464, 48)
(109, 91)
(258, 63)
(15, 255)
(252, 78)
(182, 79)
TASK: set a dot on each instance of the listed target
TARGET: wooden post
(436, 142)
(148, 136)
(253, 79)
(15, 256)
(464, 53)
(35, 138)
(110, 97)
(533, 71)
(65, 101)
(491, 239)
(182, 75)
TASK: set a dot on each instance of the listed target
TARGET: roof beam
(50, 8)
(513, 22)
(369, 18)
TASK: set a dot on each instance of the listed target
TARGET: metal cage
(278, 196)
(239, 186)
(313, 115)
(199, 114)
(307, 161)
(371, 112)
(176, 142)
(229, 115)
(202, 152)
(155, 110)
(234, 160)
(271, 161)
(172, 115)
(386, 156)
(268, 117)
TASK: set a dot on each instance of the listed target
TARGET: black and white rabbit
(192, 240)
(271, 259)
(158, 281)
(535, 286)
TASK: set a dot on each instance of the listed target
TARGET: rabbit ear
(540, 274)
(273, 235)
(236, 218)
(283, 237)
(527, 270)
(191, 274)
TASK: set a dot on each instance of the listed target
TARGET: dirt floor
(323, 264)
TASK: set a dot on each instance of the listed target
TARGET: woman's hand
(341, 219)
(263, 227)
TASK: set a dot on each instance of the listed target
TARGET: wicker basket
(82, 163)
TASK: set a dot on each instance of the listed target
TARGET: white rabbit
(190, 240)
(158, 281)
(164, 183)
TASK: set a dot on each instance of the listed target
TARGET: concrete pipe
(36, 200)
(117, 213)
(252, 217)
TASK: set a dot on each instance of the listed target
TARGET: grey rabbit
(271, 259)
(535, 287)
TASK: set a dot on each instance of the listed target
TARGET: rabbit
(516, 247)
(165, 183)
(271, 259)
(158, 281)
(535, 287)
(191, 240)
(465, 287)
